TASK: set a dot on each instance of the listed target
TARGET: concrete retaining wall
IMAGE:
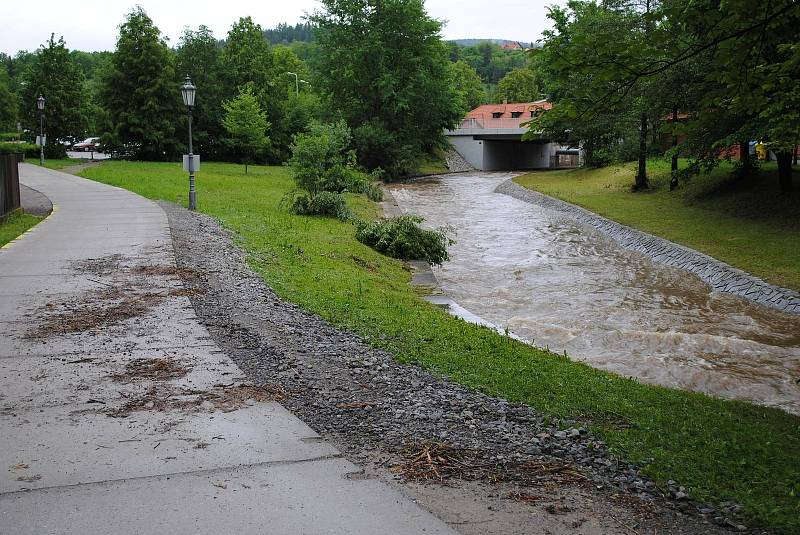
(718, 275)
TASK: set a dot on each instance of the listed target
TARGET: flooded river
(558, 284)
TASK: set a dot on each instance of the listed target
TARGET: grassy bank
(15, 225)
(718, 449)
(747, 223)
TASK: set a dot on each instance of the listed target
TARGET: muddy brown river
(558, 284)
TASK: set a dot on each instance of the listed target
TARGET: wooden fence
(9, 184)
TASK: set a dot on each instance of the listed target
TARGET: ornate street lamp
(40, 107)
(187, 92)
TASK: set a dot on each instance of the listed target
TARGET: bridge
(490, 139)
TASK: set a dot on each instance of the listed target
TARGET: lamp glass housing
(187, 92)
(40, 103)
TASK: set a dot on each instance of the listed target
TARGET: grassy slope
(746, 223)
(717, 449)
(16, 224)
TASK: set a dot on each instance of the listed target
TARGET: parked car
(87, 145)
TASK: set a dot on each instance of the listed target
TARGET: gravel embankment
(378, 411)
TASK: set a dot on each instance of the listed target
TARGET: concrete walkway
(118, 413)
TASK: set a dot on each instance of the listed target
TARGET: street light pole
(40, 106)
(188, 92)
(296, 83)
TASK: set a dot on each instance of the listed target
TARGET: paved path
(94, 440)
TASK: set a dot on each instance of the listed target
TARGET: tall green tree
(468, 85)
(8, 103)
(246, 124)
(198, 56)
(140, 92)
(519, 85)
(247, 57)
(54, 75)
(385, 67)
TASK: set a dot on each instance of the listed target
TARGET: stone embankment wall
(456, 163)
(718, 275)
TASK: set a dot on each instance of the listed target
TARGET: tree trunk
(744, 158)
(673, 181)
(785, 170)
(641, 175)
(795, 153)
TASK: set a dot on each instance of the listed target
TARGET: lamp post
(187, 92)
(40, 106)
(296, 82)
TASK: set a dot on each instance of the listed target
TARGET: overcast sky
(92, 24)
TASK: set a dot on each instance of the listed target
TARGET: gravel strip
(376, 409)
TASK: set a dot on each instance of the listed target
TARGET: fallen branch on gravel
(432, 461)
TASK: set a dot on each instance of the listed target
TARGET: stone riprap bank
(718, 275)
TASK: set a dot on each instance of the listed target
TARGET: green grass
(15, 225)
(56, 163)
(747, 223)
(718, 449)
(432, 164)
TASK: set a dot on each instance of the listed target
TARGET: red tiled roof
(487, 110)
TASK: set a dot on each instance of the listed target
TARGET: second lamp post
(40, 107)
(187, 92)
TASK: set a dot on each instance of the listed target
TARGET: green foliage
(403, 238)
(8, 102)
(198, 56)
(614, 70)
(383, 63)
(489, 60)
(246, 124)
(247, 57)
(284, 33)
(141, 94)
(468, 85)
(54, 75)
(322, 161)
(519, 85)
(28, 149)
(322, 203)
(10, 136)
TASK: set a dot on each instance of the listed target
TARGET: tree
(198, 56)
(140, 92)
(519, 85)
(54, 75)
(246, 124)
(468, 85)
(385, 67)
(247, 57)
(8, 103)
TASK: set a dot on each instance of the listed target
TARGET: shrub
(403, 238)
(374, 192)
(28, 149)
(322, 161)
(324, 203)
(380, 148)
(10, 136)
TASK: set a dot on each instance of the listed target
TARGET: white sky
(92, 24)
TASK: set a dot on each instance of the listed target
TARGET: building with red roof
(490, 139)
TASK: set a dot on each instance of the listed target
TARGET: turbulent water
(558, 284)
